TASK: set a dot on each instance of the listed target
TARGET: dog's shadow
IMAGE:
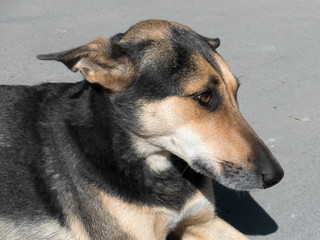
(242, 212)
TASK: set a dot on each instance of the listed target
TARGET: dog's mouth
(203, 168)
(229, 174)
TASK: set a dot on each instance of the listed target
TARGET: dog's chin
(240, 183)
(237, 180)
(203, 168)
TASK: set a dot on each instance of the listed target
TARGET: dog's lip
(202, 167)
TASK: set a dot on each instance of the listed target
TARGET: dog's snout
(269, 170)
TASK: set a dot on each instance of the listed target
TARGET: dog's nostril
(270, 179)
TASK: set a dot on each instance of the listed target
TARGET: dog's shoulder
(22, 98)
(25, 112)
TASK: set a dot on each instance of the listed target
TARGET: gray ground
(272, 45)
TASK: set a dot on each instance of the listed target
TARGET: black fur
(56, 138)
(50, 128)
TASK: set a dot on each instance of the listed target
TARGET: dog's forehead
(170, 54)
(165, 37)
(152, 30)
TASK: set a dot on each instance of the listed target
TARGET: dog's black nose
(273, 177)
(270, 170)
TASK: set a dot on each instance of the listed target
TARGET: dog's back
(18, 116)
(27, 208)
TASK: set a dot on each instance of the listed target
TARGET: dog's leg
(223, 230)
(202, 223)
(214, 229)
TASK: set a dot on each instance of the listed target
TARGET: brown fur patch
(224, 132)
(204, 224)
(100, 40)
(139, 221)
(200, 79)
(97, 218)
(204, 193)
(158, 54)
(117, 78)
(203, 212)
(190, 226)
(76, 227)
(97, 66)
(203, 227)
(227, 74)
(148, 30)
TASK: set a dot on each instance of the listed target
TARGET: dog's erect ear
(100, 61)
(213, 42)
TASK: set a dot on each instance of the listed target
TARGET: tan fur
(155, 223)
(200, 80)
(206, 199)
(156, 158)
(203, 227)
(112, 79)
(212, 42)
(142, 145)
(218, 130)
(141, 222)
(205, 224)
(159, 52)
(224, 134)
(77, 229)
(100, 40)
(97, 66)
(146, 30)
(197, 218)
(174, 125)
(159, 161)
(227, 74)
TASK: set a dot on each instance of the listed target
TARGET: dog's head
(176, 94)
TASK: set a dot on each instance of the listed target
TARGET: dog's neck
(127, 165)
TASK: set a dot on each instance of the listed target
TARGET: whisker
(184, 170)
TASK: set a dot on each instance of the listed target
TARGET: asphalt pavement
(273, 46)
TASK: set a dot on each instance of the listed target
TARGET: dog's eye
(204, 97)
(209, 99)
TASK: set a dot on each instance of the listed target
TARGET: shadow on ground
(242, 212)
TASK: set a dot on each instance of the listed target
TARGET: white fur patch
(187, 144)
(159, 162)
(175, 219)
(196, 208)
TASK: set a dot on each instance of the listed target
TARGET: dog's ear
(213, 42)
(100, 61)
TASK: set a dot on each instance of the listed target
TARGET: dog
(129, 152)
